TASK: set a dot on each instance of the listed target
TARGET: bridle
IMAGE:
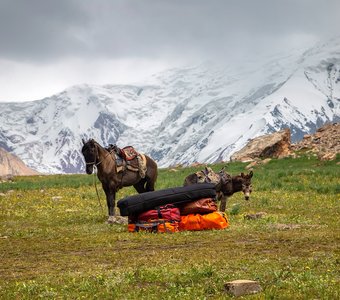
(96, 156)
(94, 163)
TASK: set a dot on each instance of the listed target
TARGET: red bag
(167, 212)
(201, 206)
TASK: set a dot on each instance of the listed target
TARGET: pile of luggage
(191, 207)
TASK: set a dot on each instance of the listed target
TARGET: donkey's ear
(250, 174)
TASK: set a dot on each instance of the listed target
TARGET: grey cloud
(50, 30)
(38, 30)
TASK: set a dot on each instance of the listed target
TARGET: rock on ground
(242, 287)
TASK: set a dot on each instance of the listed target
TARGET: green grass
(55, 244)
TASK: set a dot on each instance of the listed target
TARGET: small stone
(251, 165)
(117, 220)
(242, 287)
(121, 220)
(265, 161)
(286, 226)
(327, 156)
(255, 216)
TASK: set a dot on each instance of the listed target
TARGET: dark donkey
(112, 181)
(225, 184)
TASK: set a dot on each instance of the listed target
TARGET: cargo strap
(152, 226)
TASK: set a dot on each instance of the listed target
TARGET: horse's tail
(151, 173)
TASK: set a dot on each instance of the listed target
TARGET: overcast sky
(49, 45)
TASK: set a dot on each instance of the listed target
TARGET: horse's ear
(83, 141)
(242, 174)
(251, 174)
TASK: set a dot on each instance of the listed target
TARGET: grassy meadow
(55, 242)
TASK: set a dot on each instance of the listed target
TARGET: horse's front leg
(110, 201)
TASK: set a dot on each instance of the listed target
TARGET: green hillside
(55, 243)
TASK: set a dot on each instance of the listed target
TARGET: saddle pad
(207, 175)
(139, 203)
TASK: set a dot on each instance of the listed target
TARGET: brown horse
(225, 184)
(112, 180)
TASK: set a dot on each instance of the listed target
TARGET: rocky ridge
(324, 143)
(275, 145)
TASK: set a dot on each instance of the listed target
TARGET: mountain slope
(12, 165)
(202, 113)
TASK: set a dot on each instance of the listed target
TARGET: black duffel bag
(139, 203)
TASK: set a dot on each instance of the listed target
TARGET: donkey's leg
(223, 202)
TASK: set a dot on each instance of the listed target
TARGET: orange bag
(157, 226)
(214, 220)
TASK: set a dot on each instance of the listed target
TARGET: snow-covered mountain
(202, 113)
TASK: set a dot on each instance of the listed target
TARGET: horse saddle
(129, 158)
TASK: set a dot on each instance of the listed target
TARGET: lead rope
(95, 185)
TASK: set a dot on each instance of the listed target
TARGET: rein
(94, 176)
(95, 185)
